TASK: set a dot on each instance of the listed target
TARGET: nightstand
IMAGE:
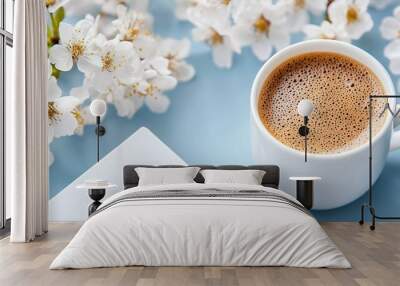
(305, 190)
(96, 190)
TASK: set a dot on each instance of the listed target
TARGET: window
(6, 44)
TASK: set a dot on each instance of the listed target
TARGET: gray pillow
(248, 177)
(165, 176)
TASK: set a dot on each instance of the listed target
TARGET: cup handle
(395, 143)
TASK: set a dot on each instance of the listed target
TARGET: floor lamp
(369, 205)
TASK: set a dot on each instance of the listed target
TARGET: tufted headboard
(271, 177)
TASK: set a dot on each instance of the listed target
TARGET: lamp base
(304, 130)
(100, 130)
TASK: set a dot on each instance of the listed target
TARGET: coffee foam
(338, 86)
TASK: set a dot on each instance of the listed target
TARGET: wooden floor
(375, 257)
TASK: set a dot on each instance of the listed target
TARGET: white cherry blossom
(220, 41)
(64, 112)
(122, 61)
(326, 31)
(380, 4)
(352, 15)
(392, 52)
(126, 103)
(82, 114)
(175, 51)
(151, 92)
(136, 27)
(263, 26)
(110, 7)
(390, 27)
(62, 121)
(117, 63)
(55, 113)
(214, 29)
(390, 30)
(131, 23)
(75, 45)
(183, 6)
(298, 12)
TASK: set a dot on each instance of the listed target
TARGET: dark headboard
(271, 177)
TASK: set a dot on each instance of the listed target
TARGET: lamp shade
(98, 107)
(305, 107)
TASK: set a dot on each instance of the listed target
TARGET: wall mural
(146, 53)
(120, 58)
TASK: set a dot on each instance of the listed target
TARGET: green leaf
(49, 35)
(55, 36)
(59, 15)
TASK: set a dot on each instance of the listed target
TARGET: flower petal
(66, 33)
(165, 82)
(201, 34)
(145, 46)
(337, 12)
(363, 25)
(53, 90)
(83, 27)
(262, 49)
(89, 64)
(297, 20)
(242, 34)
(279, 37)
(184, 49)
(103, 81)
(222, 55)
(395, 66)
(160, 64)
(61, 57)
(184, 71)
(362, 5)
(312, 31)
(396, 13)
(380, 4)
(128, 106)
(81, 93)
(392, 50)
(157, 103)
(390, 28)
(65, 124)
(50, 158)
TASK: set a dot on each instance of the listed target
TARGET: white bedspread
(200, 231)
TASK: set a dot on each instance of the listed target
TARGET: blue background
(208, 120)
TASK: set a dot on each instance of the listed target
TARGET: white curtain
(26, 124)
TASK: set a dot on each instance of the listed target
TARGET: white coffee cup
(344, 175)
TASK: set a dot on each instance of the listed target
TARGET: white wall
(142, 147)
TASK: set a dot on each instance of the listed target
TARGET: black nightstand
(96, 193)
(305, 190)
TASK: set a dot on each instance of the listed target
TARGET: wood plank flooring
(375, 257)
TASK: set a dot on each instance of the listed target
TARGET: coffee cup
(344, 174)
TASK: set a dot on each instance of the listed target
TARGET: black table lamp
(98, 108)
(305, 108)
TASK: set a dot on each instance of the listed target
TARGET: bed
(198, 224)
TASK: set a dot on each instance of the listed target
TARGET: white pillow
(164, 176)
(248, 177)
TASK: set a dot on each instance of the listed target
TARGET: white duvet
(194, 231)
